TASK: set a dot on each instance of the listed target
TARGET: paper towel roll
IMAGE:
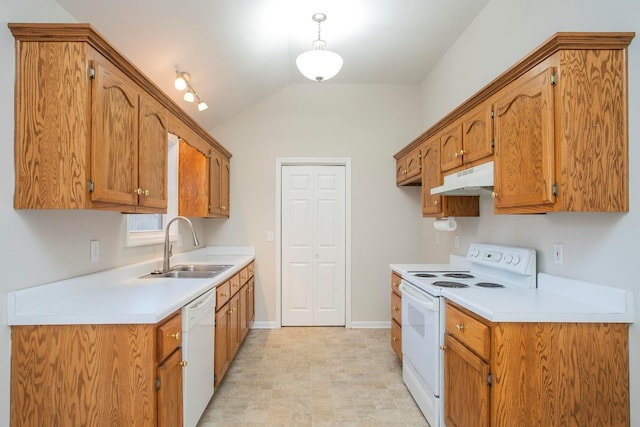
(446, 224)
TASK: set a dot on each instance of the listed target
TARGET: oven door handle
(421, 299)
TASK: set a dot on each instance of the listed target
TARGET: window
(148, 229)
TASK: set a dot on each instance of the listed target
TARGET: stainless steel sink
(218, 268)
(190, 271)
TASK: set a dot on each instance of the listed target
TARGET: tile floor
(314, 377)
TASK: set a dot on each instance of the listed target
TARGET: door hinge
(553, 79)
(209, 153)
(92, 72)
(157, 384)
(492, 114)
(489, 378)
(493, 143)
(90, 186)
(554, 189)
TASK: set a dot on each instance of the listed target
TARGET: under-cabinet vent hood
(468, 182)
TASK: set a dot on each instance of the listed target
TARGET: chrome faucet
(167, 247)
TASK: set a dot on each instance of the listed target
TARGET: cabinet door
(251, 302)
(170, 391)
(221, 359)
(225, 179)
(431, 177)
(476, 134)
(152, 154)
(451, 147)
(192, 182)
(524, 138)
(114, 143)
(215, 173)
(243, 310)
(466, 388)
(234, 326)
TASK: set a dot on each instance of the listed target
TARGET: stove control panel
(510, 258)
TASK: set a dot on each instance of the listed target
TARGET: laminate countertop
(120, 296)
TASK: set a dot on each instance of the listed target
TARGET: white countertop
(118, 296)
(556, 299)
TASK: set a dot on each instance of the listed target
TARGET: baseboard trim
(264, 325)
(371, 325)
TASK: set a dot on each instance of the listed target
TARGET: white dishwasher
(198, 323)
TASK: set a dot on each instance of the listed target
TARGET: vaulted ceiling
(239, 52)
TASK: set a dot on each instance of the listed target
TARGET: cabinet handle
(494, 195)
(177, 335)
(443, 347)
(184, 363)
(459, 326)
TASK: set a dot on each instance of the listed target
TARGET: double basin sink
(190, 271)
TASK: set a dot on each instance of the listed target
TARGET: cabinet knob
(396, 308)
(443, 347)
(494, 195)
(395, 339)
(436, 202)
(138, 191)
(395, 284)
(147, 192)
(184, 363)
(459, 326)
(177, 335)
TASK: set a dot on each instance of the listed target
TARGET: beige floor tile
(316, 377)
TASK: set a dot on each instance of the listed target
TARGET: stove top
(492, 268)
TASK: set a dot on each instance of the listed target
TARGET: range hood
(468, 182)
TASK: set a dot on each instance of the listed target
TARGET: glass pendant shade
(189, 96)
(319, 64)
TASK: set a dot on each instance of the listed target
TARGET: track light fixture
(183, 82)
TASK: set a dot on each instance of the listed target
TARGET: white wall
(598, 247)
(367, 123)
(43, 246)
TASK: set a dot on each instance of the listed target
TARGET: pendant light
(319, 64)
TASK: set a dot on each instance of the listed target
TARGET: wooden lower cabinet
(234, 316)
(396, 315)
(534, 373)
(97, 375)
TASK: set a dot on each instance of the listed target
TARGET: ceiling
(239, 52)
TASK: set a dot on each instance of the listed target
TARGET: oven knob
(516, 260)
(497, 256)
(508, 259)
(475, 252)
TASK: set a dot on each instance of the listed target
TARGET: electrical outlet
(95, 250)
(558, 253)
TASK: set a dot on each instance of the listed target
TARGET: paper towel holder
(445, 224)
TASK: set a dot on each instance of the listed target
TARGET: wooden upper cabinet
(193, 182)
(524, 158)
(435, 205)
(408, 168)
(451, 147)
(91, 131)
(114, 142)
(153, 153)
(477, 136)
(219, 175)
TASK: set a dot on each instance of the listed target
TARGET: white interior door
(313, 245)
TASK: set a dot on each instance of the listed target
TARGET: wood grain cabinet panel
(96, 375)
(438, 206)
(235, 313)
(396, 314)
(193, 183)
(219, 180)
(153, 153)
(451, 147)
(408, 168)
(534, 373)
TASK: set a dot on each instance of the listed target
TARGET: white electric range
(491, 268)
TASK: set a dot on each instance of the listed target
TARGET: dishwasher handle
(420, 298)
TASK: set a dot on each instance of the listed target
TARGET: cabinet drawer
(395, 283)
(396, 338)
(244, 275)
(396, 308)
(235, 284)
(169, 336)
(468, 330)
(223, 293)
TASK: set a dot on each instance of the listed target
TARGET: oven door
(420, 334)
